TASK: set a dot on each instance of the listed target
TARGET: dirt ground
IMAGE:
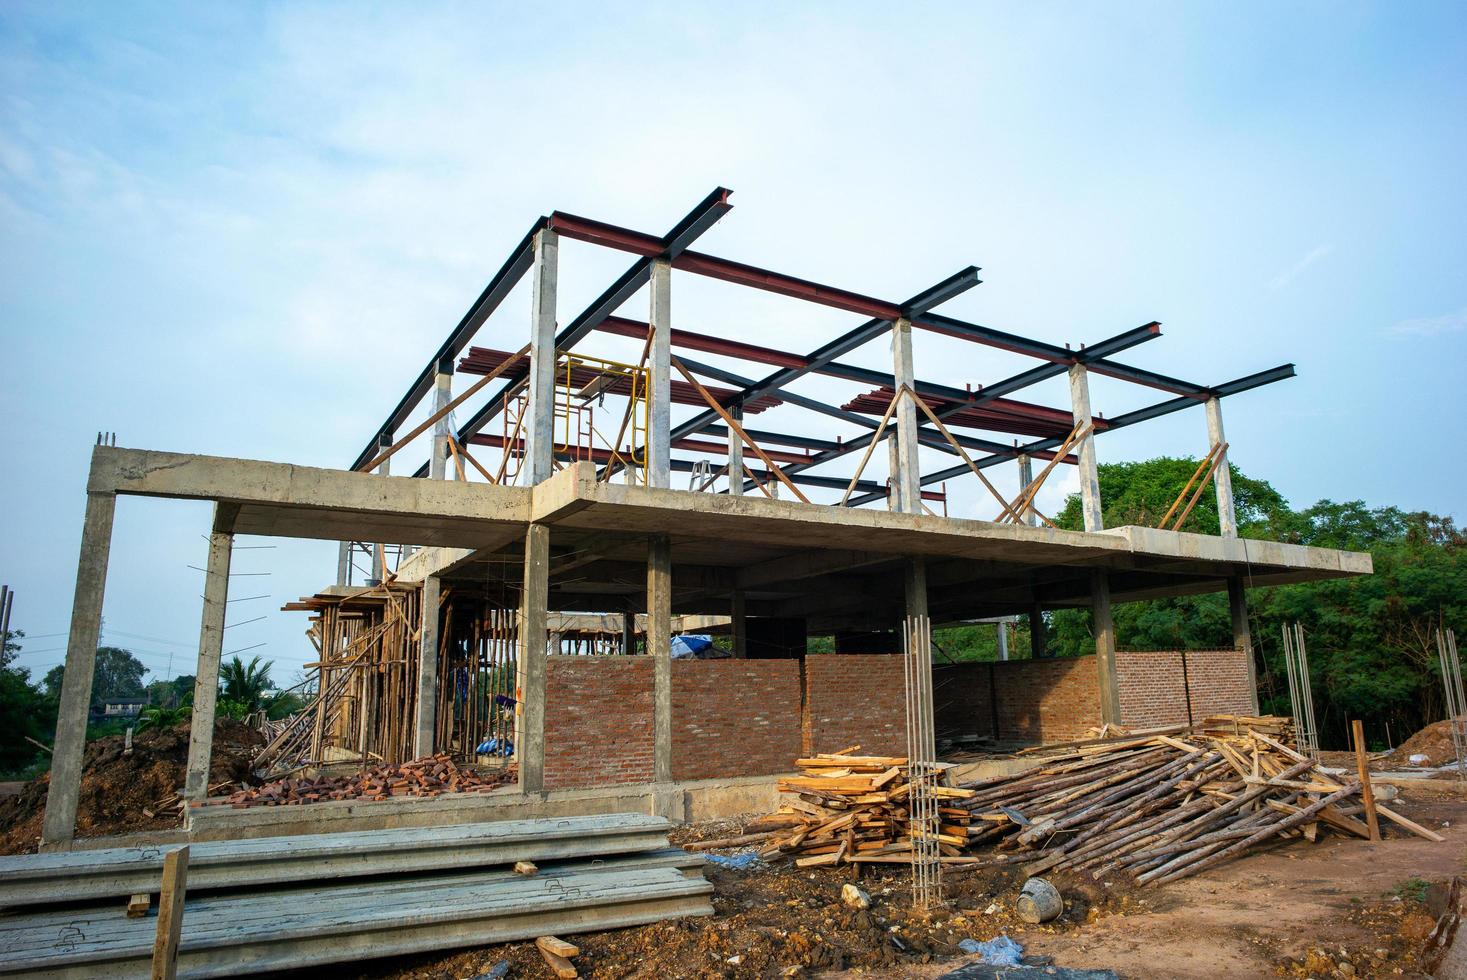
(1339, 908)
(117, 788)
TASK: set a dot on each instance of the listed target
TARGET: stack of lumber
(431, 776)
(1163, 807)
(288, 903)
(852, 809)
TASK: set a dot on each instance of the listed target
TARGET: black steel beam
(684, 233)
(1281, 373)
(499, 287)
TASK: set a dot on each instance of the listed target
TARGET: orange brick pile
(432, 776)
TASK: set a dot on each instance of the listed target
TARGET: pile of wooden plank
(852, 809)
(1159, 805)
(431, 776)
(1162, 807)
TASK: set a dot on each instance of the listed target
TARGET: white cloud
(1294, 271)
(1431, 326)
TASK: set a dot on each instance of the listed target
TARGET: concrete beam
(1222, 478)
(540, 428)
(1090, 505)
(529, 743)
(908, 475)
(59, 824)
(1105, 647)
(206, 675)
(659, 387)
(429, 642)
(659, 647)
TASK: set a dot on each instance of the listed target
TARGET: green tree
(161, 718)
(117, 674)
(245, 684)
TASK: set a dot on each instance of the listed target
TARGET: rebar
(1446, 648)
(1301, 696)
(922, 769)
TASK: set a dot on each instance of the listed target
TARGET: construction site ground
(1339, 908)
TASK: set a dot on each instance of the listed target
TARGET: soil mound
(117, 788)
(1434, 741)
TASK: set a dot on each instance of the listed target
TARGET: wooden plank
(558, 946)
(138, 905)
(170, 914)
(1367, 793)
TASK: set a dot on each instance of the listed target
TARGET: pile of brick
(431, 776)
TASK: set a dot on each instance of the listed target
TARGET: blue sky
(240, 229)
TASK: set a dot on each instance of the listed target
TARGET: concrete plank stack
(391, 893)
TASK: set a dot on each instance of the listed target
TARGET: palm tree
(245, 683)
(161, 718)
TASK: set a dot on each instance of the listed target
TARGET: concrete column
(1242, 634)
(736, 454)
(1026, 477)
(430, 640)
(738, 631)
(540, 425)
(1222, 479)
(1003, 639)
(529, 742)
(659, 363)
(908, 473)
(1105, 647)
(628, 633)
(379, 552)
(1089, 472)
(659, 646)
(442, 429)
(343, 563)
(81, 661)
(1036, 632)
(211, 647)
(894, 485)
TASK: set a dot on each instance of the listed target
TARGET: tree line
(28, 709)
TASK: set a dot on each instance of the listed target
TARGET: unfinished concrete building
(531, 508)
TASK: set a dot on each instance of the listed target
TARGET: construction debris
(431, 776)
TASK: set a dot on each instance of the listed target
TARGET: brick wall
(1050, 700)
(962, 699)
(598, 721)
(1218, 680)
(734, 717)
(1153, 692)
(1056, 700)
(855, 700)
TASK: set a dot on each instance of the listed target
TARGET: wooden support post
(170, 914)
(1367, 792)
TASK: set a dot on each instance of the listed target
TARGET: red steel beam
(739, 273)
(623, 327)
